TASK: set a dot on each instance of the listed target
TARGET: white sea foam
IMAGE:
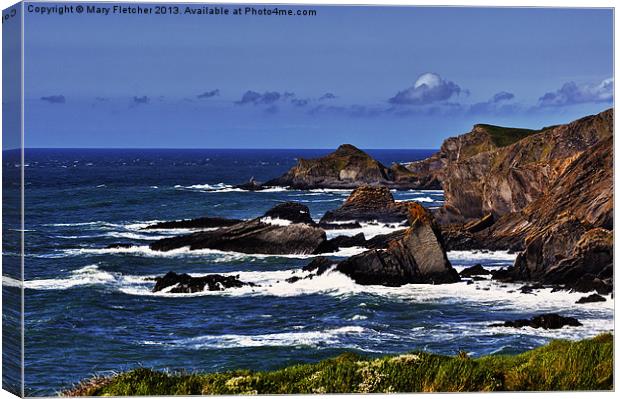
(370, 229)
(502, 256)
(276, 221)
(216, 255)
(11, 282)
(418, 199)
(327, 337)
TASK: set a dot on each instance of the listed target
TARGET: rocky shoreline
(546, 195)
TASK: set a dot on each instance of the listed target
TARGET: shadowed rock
(549, 321)
(291, 211)
(591, 298)
(418, 257)
(475, 270)
(252, 237)
(186, 284)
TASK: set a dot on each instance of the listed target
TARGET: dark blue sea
(90, 310)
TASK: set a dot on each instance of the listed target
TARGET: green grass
(560, 365)
(505, 136)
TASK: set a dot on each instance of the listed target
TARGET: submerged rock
(186, 284)
(340, 226)
(591, 298)
(367, 204)
(475, 270)
(418, 257)
(121, 245)
(546, 321)
(199, 223)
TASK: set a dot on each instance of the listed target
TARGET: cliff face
(480, 177)
(347, 167)
(550, 195)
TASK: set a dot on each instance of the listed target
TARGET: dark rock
(320, 264)
(419, 257)
(589, 264)
(504, 274)
(251, 185)
(368, 204)
(340, 226)
(529, 289)
(199, 223)
(546, 321)
(589, 283)
(335, 243)
(184, 283)
(591, 298)
(478, 225)
(475, 270)
(120, 245)
(252, 237)
(291, 211)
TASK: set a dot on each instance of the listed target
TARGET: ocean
(90, 310)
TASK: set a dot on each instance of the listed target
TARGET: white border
(482, 3)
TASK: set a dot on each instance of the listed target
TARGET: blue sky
(376, 77)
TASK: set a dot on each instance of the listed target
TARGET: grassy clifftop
(560, 365)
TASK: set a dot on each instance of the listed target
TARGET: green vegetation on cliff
(560, 365)
(505, 136)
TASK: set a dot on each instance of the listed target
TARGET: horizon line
(204, 148)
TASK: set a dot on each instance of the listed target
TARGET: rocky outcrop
(500, 180)
(549, 321)
(199, 223)
(591, 299)
(347, 167)
(292, 212)
(254, 236)
(368, 203)
(475, 270)
(418, 257)
(186, 284)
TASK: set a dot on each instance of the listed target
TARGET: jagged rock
(340, 226)
(252, 237)
(369, 203)
(332, 245)
(186, 284)
(251, 185)
(419, 257)
(501, 179)
(546, 321)
(591, 298)
(291, 211)
(475, 270)
(199, 223)
(120, 245)
(588, 266)
(320, 264)
(382, 241)
(347, 167)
